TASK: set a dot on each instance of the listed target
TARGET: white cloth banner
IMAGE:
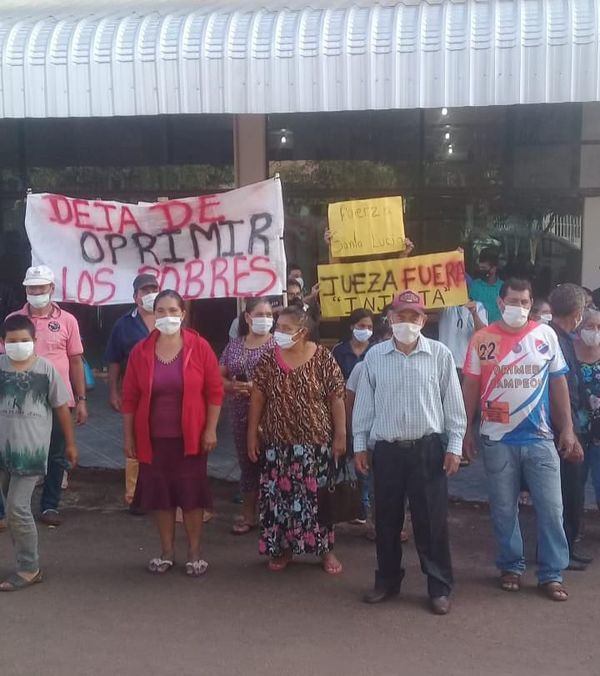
(214, 246)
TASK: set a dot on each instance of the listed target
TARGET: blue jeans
(591, 465)
(539, 464)
(2, 511)
(57, 464)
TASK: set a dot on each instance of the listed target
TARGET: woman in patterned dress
(587, 348)
(238, 362)
(296, 427)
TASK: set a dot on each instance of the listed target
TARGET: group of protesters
(512, 377)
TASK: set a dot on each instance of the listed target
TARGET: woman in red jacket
(172, 396)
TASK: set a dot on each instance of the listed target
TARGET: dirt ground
(98, 612)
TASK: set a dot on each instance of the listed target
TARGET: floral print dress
(590, 414)
(296, 435)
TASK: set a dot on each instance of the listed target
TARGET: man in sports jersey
(515, 371)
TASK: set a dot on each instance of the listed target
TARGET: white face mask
(515, 316)
(362, 335)
(590, 337)
(406, 333)
(284, 340)
(38, 302)
(261, 325)
(148, 301)
(19, 351)
(168, 325)
(546, 318)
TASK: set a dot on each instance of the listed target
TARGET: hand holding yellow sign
(366, 227)
(438, 278)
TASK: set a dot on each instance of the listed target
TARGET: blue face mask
(284, 340)
(362, 335)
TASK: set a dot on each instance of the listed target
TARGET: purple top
(241, 361)
(167, 399)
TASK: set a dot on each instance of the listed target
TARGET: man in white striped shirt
(408, 396)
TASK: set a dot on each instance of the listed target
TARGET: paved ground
(98, 613)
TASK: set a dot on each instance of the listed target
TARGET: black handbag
(339, 500)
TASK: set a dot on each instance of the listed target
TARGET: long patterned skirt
(288, 514)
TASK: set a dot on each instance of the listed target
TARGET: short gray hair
(567, 299)
(590, 313)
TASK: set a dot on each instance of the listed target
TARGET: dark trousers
(57, 464)
(571, 482)
(415, 472)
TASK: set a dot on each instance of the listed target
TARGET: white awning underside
(60, 59)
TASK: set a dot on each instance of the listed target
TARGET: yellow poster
(366, 227)
(438, 278)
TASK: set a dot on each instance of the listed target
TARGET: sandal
(510, 582)
(331, 565)
(279, 563)
(242, 527)
(16, 582)
(196, 568)
(160, 566)
(554, 591)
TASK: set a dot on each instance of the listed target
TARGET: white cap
(38, 275)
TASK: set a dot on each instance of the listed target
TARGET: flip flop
(510, 582)
(280, 563)
(159, 566)
(242, 527)
(196, 568)
(332, 568)
(554, 591)
(16, 583)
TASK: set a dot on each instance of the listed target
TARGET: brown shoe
(3, 525)
(440, 605)
(51, 518)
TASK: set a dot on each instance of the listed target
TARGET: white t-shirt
(456, 328)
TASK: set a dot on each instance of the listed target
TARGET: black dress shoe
(582, 556)
(440, 605)
(576, 565)
(379, 595)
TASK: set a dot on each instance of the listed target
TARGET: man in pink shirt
(57, 340)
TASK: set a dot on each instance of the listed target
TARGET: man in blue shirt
(486, 289)
(128, 331)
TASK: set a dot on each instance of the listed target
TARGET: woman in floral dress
(296, 427)
(587, 347)
(238, 362)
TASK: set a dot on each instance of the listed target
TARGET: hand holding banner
(439, 278)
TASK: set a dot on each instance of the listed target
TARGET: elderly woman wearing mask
(172, 396)
(587, 349)
(296, 427)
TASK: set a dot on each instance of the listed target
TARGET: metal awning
(105, 58)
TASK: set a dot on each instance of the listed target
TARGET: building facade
(482, 114)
